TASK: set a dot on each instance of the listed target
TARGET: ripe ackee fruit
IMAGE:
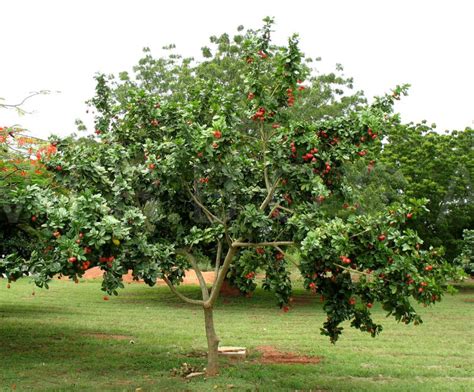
(72, 259)
(260, 251)
(87, 250)
(428, 268)
(369, 305)
(215, 145)
(312, 286)
(381, 237)
(154, 122)
(285, 309)
(33, 218)
(57, 234)
(151, 166)
(345, 260)
(409, 215)
(275, 126)
(78, 242)
(352, 301)
(262, 54)
(362, 153)
(59, 168)
(250, 275)
(106, 298)
(217, 134)
(97, 132)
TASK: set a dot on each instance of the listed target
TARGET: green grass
(51, 342)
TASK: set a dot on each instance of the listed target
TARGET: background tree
(439, 167)
(198, 161)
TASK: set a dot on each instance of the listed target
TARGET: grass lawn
(68, 338)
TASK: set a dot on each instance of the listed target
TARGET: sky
(59, 46)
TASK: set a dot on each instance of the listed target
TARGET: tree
(440, 168)
(223, 166)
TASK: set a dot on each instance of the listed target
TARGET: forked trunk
(212, 343)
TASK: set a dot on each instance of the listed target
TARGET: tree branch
(287, 256)
(238, 244)
(181, 296)
(208, 213)
(216, 287)
(194, 264)
(352, 270)
(218, 258)
(269, 197)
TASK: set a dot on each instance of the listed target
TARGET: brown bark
(212, 343)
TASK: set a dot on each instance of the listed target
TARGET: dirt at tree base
(271, 355)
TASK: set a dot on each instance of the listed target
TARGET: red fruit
(154, 122)
(217, 134)
(409, 215)
(275, 126)
(249, 60)
(381, 237)
(352, 301)
(8, 286)
(424, 284)
(285, 309)
(280, 256)
(250, 96)
(312, 286)
(57, 234)
(250, 275)
(111, 259)
(260, 251)
(420, 290)
(87, 250)
(97, 131)
(362, 153)
(369, 305)
(81, 235)
(200, 154)
(72, 259)
(78, 241)
(59, 168)
(374, 136)
(151, 166)
(301, 88)
(215, 145)
(33, 218)
(428, 268)
(262, 54)
(106, 298)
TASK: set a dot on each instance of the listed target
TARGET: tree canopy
(213, 158)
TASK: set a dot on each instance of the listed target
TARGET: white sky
(60, 45)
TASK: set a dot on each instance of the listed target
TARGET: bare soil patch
(189, 279)
(271, 355)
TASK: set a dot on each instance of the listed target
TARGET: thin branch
(269, 197)
(289, 257)
(279, 207)
(218, 258)
(352, 270)
(238, 244)
(181, 296)
(17, 105)
(208, 213)
(362, 232)
(194, 264)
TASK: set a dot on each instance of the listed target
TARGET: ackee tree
(219, 164)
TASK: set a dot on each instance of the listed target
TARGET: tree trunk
(212, 343)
